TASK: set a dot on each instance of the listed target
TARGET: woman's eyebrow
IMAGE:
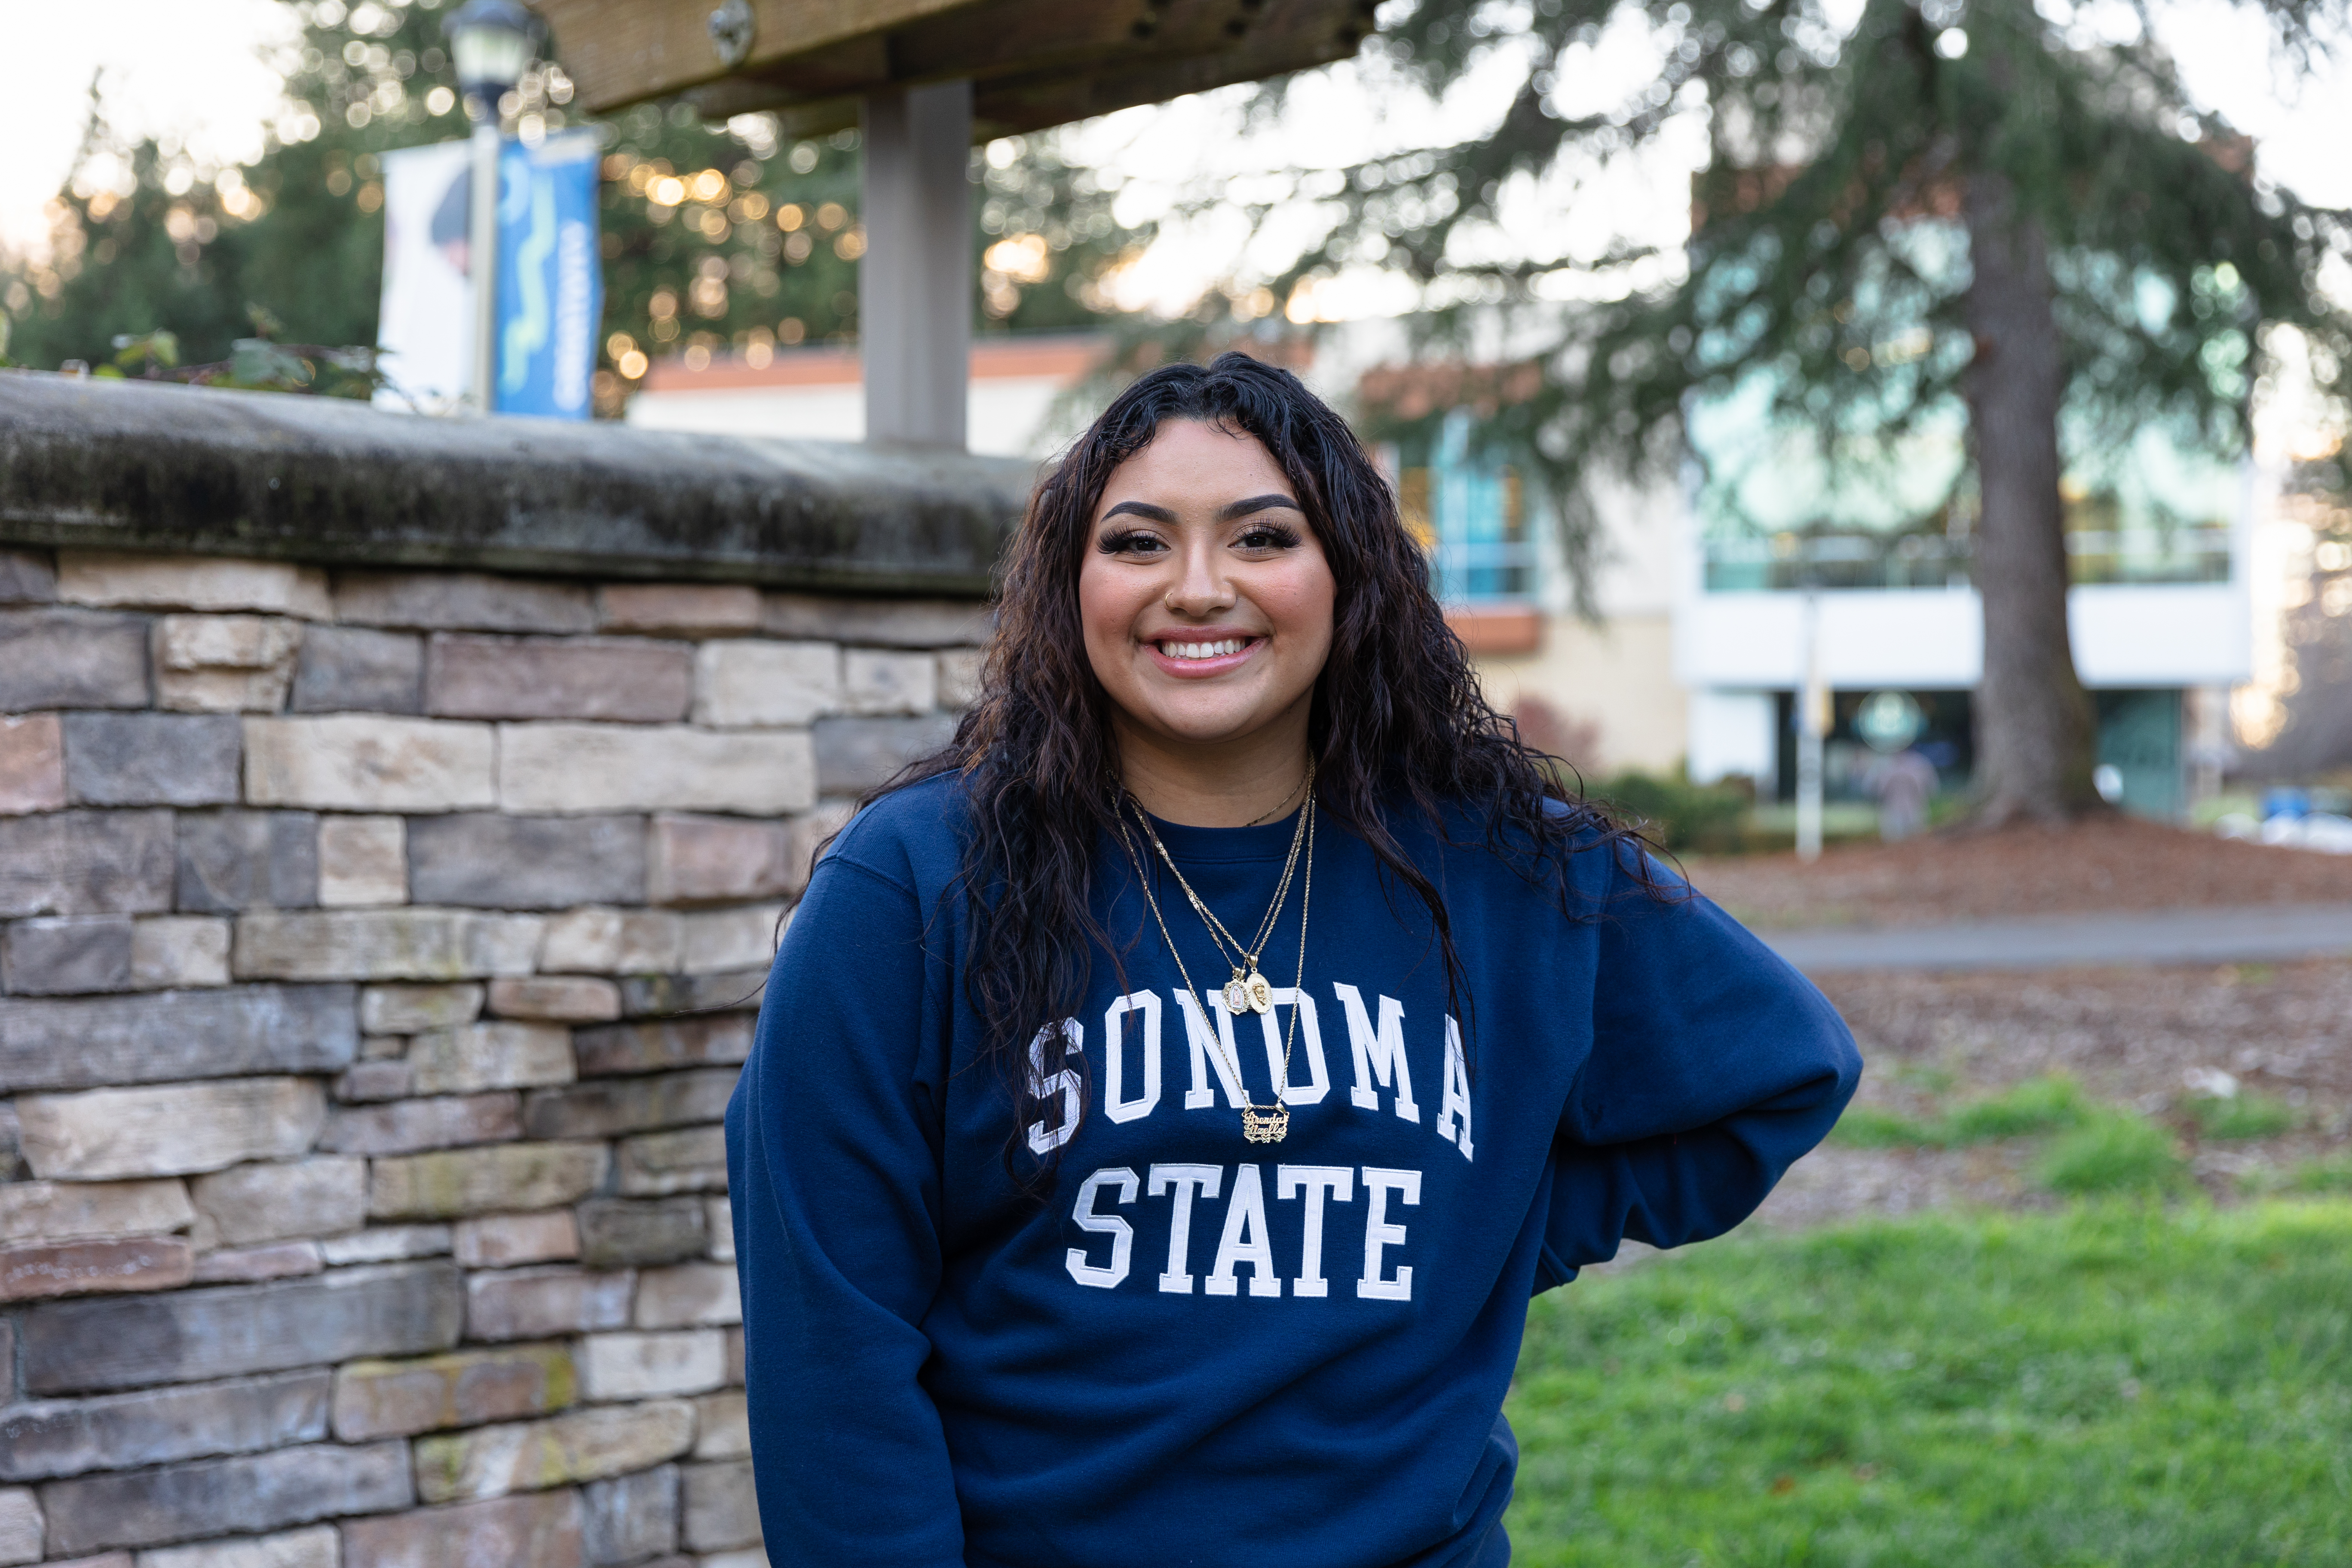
(1256, 503)
(1142, 509)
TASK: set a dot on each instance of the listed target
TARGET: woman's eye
(1269, 536)
(1131, 543)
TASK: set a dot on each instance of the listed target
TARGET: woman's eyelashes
(1269, 536)
(1131, 541)
(1256, 538)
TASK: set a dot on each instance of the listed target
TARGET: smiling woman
(1006, 1088)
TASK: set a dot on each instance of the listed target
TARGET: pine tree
(714, 236)
(1948, 204)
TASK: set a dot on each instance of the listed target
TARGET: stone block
(599, 940)
(412, 1009)
(653, 995)
(169, 1130)
(48, 1438)
(853, 754)
(368, 762)
(881, 623)
(34, 1269)
(28, 577)
(531, 1456)
(721, 1510)
(653, 767)
(464, 1388)
(688, 1296)
(21, 1526)
(473, 1057)
(231, 1330)
(615, 1048)
(620, 1366)
(461, 601)
(62, 1211)
(678, 607)
(172, 951)
(504, 1240)
(12, 1144)
(313, 1197)
(386, 1244)
(873, 682)
(374, 1081)
(534, 1304)
(747, 683)
(191, 582)
(246, 1495)
(455, 1183)
(692, 1160)
(719, 941)
(318, 1546)
(355, 670)
(362, 861)
(89, 1041)
(65, 957)
(961, 674)
(86, 862)
(71, 659)
(493, 861)
(632, 1518)
(224, 664)
(410, 1126)
(749, 1557)
(32, 764)
(383, 945)
(557, 998)
(722, 1228)
(710, 859)
(229, 861)
(614, 1232)
(722, 1426)
(528, 1530)
(246, 1265)
(627, 679)
(606, 1107)
(152, 758)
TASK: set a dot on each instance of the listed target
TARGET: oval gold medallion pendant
(1260, 993)
(1237, 995)
(1266, 1123)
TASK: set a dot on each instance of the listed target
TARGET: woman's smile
(1192, 655)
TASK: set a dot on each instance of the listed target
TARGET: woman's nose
(1202, 587)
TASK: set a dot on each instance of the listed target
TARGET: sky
(195, 69)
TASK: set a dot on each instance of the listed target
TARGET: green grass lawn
(2111, 1385)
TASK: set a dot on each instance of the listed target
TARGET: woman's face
(1205, 597)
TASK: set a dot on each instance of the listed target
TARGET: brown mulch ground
(2118, 863)
(2129, 1035)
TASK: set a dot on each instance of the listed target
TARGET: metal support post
(1813, 723)
(482, 260)
(914, 281)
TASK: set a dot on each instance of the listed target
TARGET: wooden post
(914, 282)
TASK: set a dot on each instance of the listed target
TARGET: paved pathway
(2258, 933)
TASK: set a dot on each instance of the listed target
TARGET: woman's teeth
(1218, 649)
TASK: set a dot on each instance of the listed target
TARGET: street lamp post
(491, 42)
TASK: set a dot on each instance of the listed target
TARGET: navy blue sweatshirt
(1198, 1350)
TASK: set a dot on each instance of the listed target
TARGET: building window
(1469, 515)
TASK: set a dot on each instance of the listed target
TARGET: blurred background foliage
(716, 237)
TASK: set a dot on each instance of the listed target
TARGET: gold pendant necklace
(1260, 1123)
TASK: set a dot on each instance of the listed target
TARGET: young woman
(1168, 1097)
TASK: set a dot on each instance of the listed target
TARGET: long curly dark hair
(1397, 728)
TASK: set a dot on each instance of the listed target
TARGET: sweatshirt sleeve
(1714, 1067)
(833, 1161)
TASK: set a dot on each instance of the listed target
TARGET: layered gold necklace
(1248, 990)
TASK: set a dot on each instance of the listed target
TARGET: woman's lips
(1185, 667)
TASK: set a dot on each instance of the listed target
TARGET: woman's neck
(1221, 784)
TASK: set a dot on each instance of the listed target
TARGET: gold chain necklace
(1286, 800)
(1260, 1123)
(1248, 988)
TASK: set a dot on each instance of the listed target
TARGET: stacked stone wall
(377, 952)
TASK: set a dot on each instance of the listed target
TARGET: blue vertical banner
(550, 277)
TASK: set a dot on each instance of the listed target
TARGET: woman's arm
(1715, 1066)
(834, 1174)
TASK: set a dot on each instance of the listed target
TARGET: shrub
(1678, 814)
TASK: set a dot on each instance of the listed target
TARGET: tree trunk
(2035, 740)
